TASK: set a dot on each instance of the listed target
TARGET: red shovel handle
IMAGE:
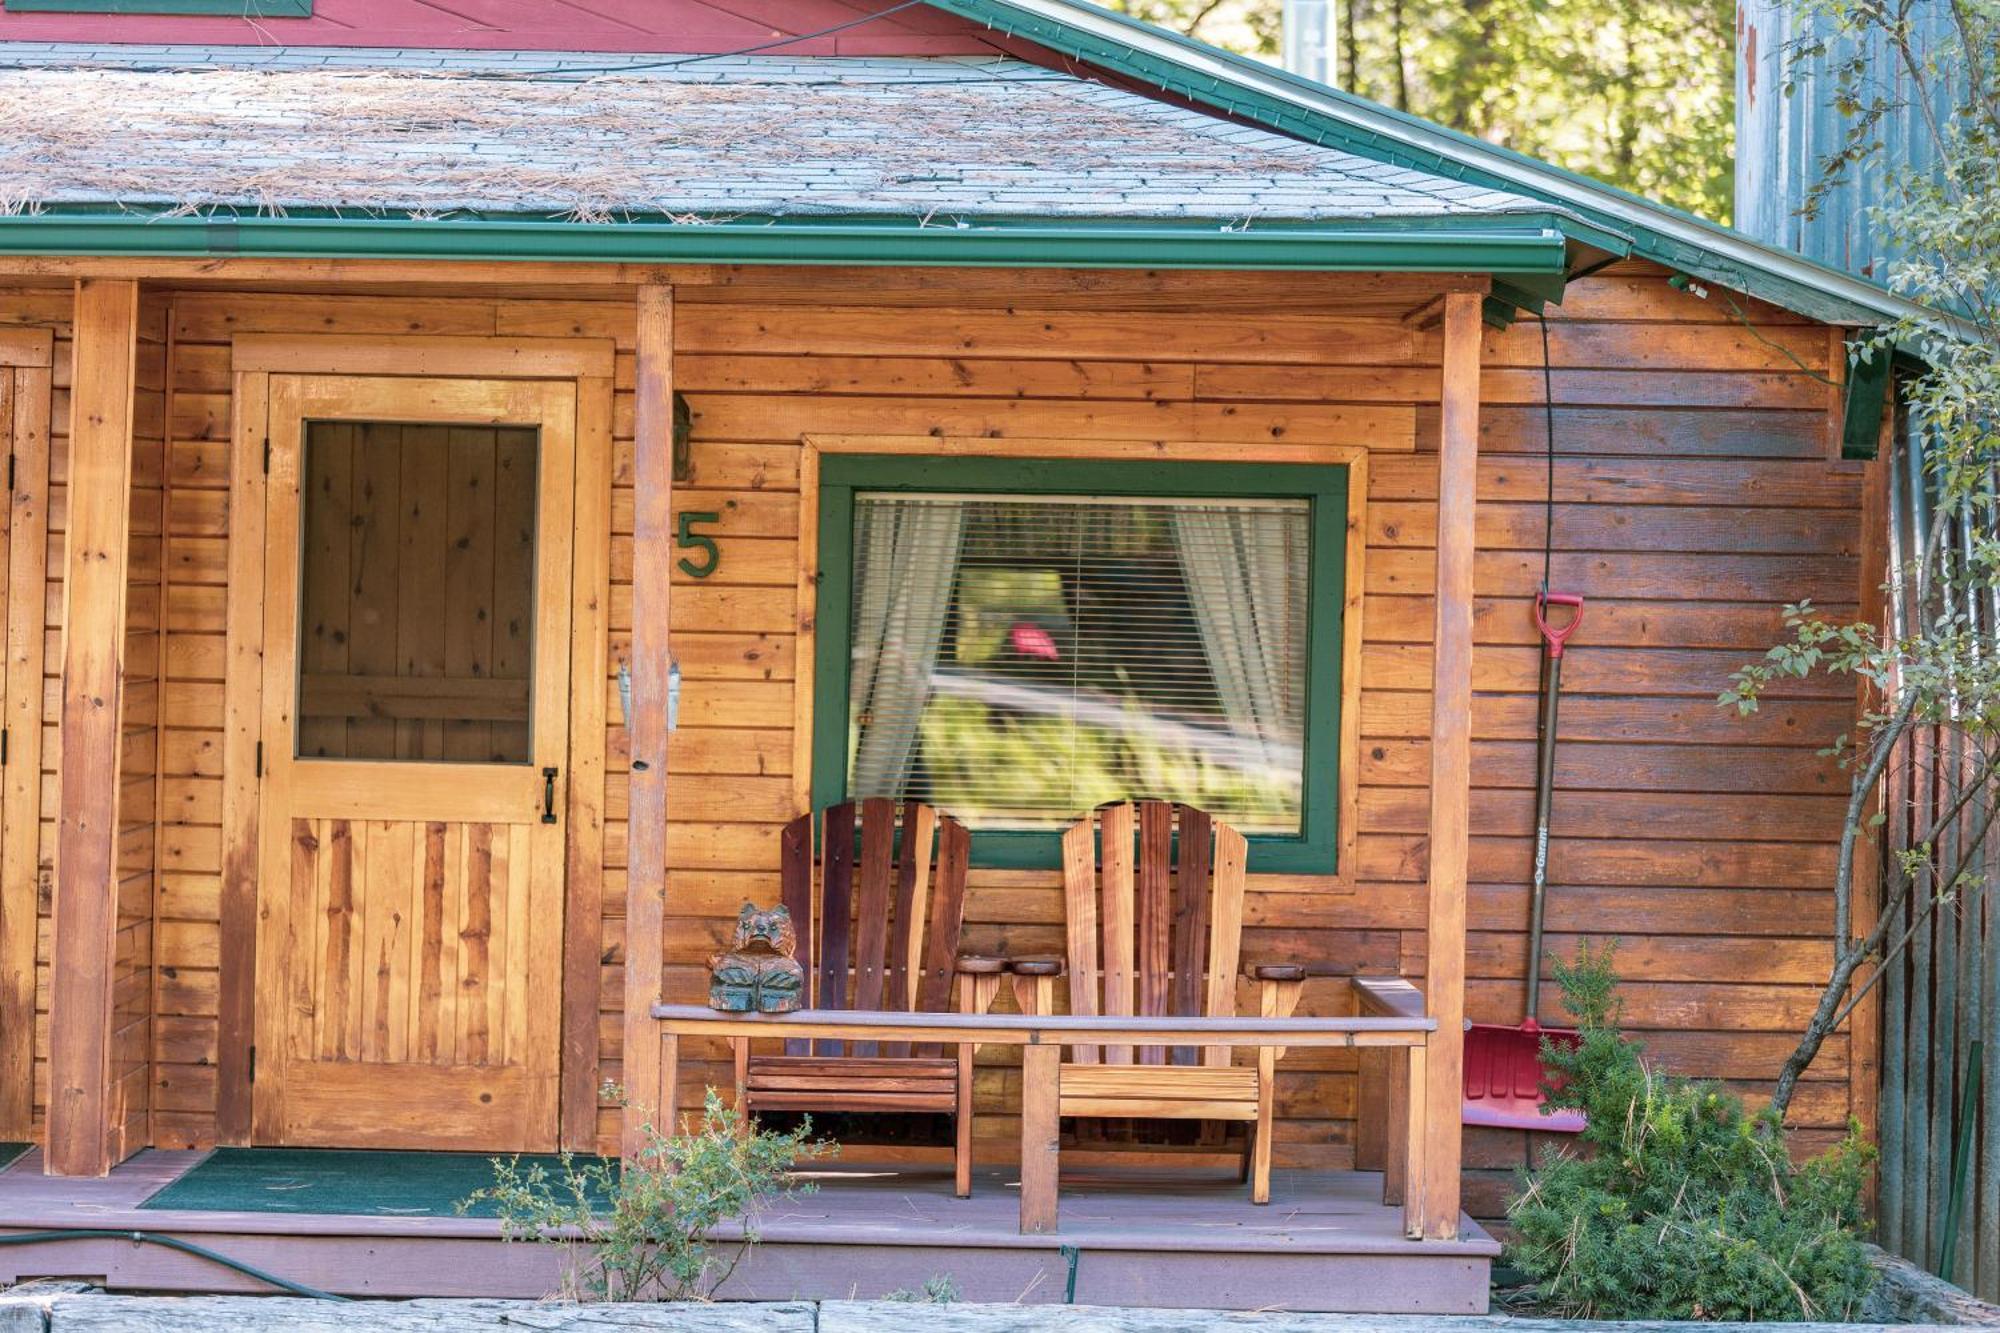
(1557, 635)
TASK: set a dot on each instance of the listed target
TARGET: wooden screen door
(415, 719)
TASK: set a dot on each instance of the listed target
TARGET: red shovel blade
(1503, 1077)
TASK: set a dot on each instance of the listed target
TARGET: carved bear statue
(759, 972)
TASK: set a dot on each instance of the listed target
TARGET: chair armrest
(1279, 987)
(979, 978)
(1388, 997)
(1034, 981)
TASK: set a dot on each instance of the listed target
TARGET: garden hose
(173, 1243)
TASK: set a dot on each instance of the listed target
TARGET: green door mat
(340, 1180)
(10, 1151)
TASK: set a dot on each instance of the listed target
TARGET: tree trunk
(1396, 49)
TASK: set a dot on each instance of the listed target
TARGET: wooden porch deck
(1139, 1238)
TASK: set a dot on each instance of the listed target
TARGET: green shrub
(643, 1232)
(1679, 1203)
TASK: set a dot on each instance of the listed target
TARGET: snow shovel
(1503, 1065)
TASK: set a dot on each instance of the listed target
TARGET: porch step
(1156, 1236)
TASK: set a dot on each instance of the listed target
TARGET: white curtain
(1245, 574)
(906, 560)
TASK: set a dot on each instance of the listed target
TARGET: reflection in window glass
(1017, 660)
(416, 592)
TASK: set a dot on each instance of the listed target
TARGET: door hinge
(10, 471)
(260, 759)
(3, 747)
(267, 455)
(253, 1064)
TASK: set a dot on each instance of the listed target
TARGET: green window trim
(1315, 850)
(250, 9)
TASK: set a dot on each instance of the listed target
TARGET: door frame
(590, 364)
(27, 361)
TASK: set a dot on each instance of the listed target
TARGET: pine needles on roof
(448, 143)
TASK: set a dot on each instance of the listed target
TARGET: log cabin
(464, 467)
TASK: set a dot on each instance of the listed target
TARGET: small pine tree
(1678, 1203)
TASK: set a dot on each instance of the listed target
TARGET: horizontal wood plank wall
(1696, 492)
(1695, 495)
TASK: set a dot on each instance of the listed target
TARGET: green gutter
(1483, 248)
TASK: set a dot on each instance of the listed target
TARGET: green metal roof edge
(1524, 244)
(1240, 86)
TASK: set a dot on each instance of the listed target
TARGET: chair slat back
(835, 914)
(797, 892)
(944, 921)
(1154, 901)
(1154, 914)
(1225, 932)
(1115, 911)
(906, 936)
(1079, 857)
(871, 908)
(1192, 894)
(877, 916)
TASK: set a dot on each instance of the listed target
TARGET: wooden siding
(1694, 496)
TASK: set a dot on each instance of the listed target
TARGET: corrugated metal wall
(1783, 134)
(1939, 1196)
(1939, 1199)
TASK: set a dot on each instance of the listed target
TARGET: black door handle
(549, 795)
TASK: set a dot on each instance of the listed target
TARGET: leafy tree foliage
(1681, 1205)
(1639, 93)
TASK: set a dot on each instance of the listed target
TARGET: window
(1018, 641)
(254, 9)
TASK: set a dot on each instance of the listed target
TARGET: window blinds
(1019, 659)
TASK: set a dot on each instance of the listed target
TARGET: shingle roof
(428, 133)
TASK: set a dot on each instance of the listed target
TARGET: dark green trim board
(249, 9)
(1315, 849)
(1867, 399)
(1521, 246)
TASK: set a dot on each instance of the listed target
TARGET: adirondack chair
(877, 919)
(1159, 933)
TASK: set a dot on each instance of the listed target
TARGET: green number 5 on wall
(690, 540)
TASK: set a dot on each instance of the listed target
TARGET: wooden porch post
(1451, 761)
(652, 658)
(83, 1136)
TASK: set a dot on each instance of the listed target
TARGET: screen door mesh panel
(416, 592)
